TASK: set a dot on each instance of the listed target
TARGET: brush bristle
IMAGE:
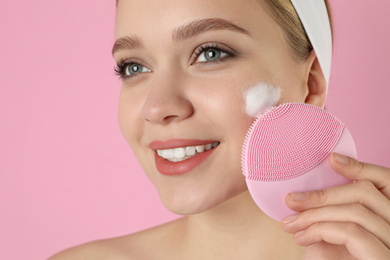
(288, 141)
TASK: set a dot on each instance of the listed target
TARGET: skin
(179, 96)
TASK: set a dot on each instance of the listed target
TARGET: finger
(359, 242)
(326, 251)
(353, 213)
(362, 192)
(355, 170)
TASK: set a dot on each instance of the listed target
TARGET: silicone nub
(288, 141)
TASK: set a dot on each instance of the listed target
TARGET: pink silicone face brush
(286, 150)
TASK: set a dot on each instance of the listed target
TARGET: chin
(195, 202)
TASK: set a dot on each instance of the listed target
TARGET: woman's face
(186, 64)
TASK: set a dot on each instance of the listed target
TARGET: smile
(183, 153)
(179, 156)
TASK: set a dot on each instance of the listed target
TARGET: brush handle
(270, 196)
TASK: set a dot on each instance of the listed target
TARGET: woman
(184, 66)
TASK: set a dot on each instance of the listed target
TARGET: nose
(167, 101)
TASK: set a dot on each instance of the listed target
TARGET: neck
(238, 229)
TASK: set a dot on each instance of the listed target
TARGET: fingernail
(298, 195)
(289, 218)
(341, 158)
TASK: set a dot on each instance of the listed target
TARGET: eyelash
(122, 64)
(203, 48)
(121, 67)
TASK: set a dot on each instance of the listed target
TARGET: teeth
(200, 148)
(168, 154)
(179, 153)
(183, 153)
(190, 150)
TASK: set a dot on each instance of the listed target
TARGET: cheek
(222, 105)
(129, 116)
(131, 125)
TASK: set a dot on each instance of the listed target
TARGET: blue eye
(133, 69)
(211, 54)
(126, 70)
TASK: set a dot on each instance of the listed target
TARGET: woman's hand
(345, 222)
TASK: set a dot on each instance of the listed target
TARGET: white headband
(315, 20)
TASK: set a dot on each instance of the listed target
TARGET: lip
(166, 167)
(176, 143)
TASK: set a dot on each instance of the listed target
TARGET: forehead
(147, 16)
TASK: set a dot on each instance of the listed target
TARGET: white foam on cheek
(260, 98)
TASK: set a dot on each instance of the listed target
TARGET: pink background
(66, 174)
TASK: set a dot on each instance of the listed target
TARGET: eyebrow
(201, 26)
(182, 33)
(127, 42)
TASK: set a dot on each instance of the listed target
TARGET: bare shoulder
(133, 246)
(85, 251)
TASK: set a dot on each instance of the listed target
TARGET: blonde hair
(285, 15)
